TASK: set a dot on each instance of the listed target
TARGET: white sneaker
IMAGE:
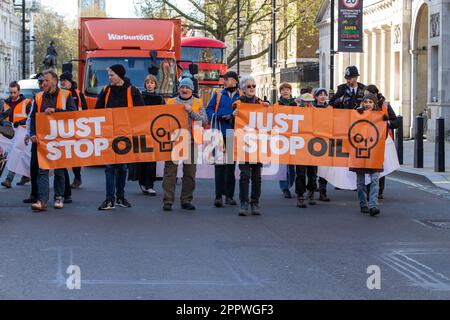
(148, 191)
(59, 204)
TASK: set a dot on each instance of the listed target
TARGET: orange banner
(310, 136)
(110, 136)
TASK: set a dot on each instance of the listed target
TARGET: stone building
(296, 57)
(10, 45)
(405, 53)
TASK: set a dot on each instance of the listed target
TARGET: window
(136, 70)
(199, 54)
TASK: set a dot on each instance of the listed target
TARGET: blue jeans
(290, 178)
(116, 176)
(10, 176)
(362, 190)
(44, 188)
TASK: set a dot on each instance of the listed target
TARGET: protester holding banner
(392, 125)
(34, 164)
(219, 111)
(370, 103)
(249, 171)
(145, 172)
(321, 101)
(196, 113)
(305, 171)
(349, 95)
(304, 90)
(119, 93)
(52, 99)
(286, 99)
(67, 82)
(19, 107)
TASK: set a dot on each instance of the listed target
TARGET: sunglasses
(251, 86)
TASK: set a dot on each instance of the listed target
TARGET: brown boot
(311, 199)
(323, 196)
(6, 184)
(23, 181)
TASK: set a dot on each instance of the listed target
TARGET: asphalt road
(321, 252)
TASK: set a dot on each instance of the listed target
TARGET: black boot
(301, 202)
(254, 207)
(323, 196)
(218, 202)
(243, 211)
(311, 198)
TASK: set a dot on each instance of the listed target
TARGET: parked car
(29, 87)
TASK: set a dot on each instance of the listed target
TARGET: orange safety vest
(20, 111)
(197, 132)
(238, 102)
(218, 97)
(61, 100)
(129, 97)
(80, 107)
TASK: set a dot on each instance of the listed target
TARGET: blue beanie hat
(186, 82)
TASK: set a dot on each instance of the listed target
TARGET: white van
(29, 87)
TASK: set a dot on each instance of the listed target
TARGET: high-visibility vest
(129, 97)
(197, 132)
(218, 98)
(80, 107)
(238, 102)
(196, 103)
(20, 110)
(61, 100)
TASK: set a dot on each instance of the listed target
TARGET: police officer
(350, 94)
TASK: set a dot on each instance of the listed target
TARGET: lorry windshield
(136, 70)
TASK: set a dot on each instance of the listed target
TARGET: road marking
(241, 276)
(433, 190)
(419, 274)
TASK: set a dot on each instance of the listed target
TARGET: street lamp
(274, 53)
(23, 7)
(332, 52)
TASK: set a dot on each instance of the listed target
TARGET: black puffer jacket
(152, 99)
(118, 96)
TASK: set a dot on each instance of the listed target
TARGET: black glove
(385, 117)
(226, 117)
(360, 110)
(16, 124)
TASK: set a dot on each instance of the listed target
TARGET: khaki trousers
(170, 181)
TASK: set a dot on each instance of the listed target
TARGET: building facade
(91, 8)
(406, 49)
(10, 44)
(296, 57)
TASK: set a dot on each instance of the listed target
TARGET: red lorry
(137, 44)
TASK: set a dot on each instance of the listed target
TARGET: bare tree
(219, 18)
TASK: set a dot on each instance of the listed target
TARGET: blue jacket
(225, 108)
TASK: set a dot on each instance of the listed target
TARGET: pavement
(407, 170)
(327, 251)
